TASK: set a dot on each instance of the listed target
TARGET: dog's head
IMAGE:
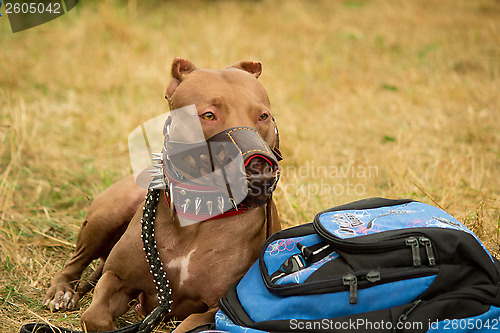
(221, 129)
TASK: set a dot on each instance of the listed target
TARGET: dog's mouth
(262, 175)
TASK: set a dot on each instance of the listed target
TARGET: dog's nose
(261, 176)
(258, 165)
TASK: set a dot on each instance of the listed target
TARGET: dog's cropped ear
(180, 68)
(252, 67)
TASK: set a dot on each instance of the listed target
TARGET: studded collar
(192, 201)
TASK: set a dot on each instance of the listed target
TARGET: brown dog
(201, 260)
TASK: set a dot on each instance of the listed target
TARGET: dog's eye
(263, 117)
(208, 116)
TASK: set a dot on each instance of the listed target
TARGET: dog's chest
(181, 265)
(202, 260)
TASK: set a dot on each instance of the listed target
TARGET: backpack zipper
(411, 239)
(428, 250)
(405, 315)
(355, 281)
(351, 281)
(415, 250)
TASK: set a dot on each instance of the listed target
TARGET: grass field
(399, 99)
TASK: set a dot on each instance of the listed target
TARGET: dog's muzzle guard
(220, 176)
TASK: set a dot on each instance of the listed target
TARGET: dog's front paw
(63, 298)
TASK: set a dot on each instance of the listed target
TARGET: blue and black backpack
(375, 265)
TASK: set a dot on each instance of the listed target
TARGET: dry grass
(372, 98)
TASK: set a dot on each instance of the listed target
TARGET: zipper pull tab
(415, 250)
(428, 249)
(405, 315)
(373, 276)
(351, 281)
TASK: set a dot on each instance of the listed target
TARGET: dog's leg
(107, 219)
(90, 283)
(110, 300)
(197, 319)
(61, 294)
(94, 241)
